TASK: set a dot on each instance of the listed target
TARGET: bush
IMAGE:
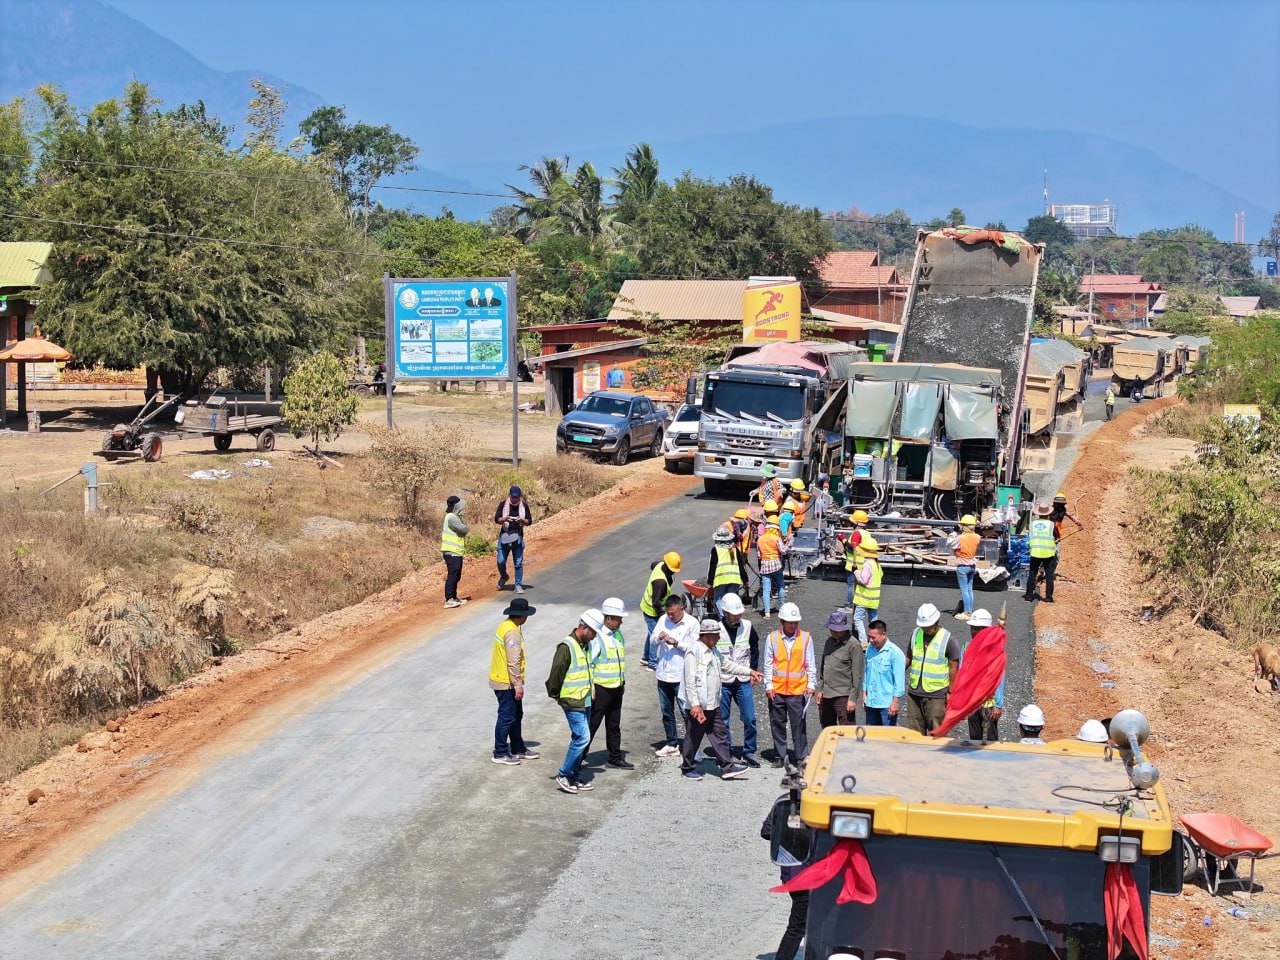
(194, 513)
(408, 467)
(318, 402)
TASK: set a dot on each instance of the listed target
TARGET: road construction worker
(771, 547)
(506, 680)
(453, 537)
(839, 673)
(790, 681)
(569, 684)
(1110, 402)
(1030, 724)
(933, 657)
(966, 551)
(654, 599)
(866, 589)
(770, 487)
(795, 504)
(1060, 514)
(984, 723)
(852, 555)
(1043, 545)
(740, 643)
(744, 533)
(609, 678)
(725, 572)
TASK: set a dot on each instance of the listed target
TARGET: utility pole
(1092, 261)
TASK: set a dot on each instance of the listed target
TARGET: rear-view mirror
(789, 838)
(691, 391)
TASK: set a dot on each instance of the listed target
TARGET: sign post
(452, 329)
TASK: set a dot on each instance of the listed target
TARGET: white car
(681, 441)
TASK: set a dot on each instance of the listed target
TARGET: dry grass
(218, 566)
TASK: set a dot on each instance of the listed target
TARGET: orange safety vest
(769, 545)
(791, 673)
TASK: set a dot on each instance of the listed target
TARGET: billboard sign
(771, 310)
(457, 329)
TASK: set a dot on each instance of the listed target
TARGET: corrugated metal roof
(22, 264)
(595, 348)
(680, 299)
(1241, 306)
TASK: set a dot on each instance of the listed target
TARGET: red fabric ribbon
(848, 856)
(978, 677)
(1124, 912)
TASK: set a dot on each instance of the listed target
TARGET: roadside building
(856, 284)
(1240, 308)
(23, 269)
(1122, 299)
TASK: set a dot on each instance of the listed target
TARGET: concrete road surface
(372, 825)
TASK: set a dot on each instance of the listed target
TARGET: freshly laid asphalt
(373, 824)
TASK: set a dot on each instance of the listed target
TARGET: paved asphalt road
(373, 824)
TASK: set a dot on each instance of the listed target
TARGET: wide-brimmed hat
(1043, 510)
(839, 620)
(519, 607)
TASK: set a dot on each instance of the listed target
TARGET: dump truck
(759, 409)
(1056, 382)
(999, 850)
(1139, 363)
(938, 431)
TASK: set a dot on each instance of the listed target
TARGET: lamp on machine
(1130, 730)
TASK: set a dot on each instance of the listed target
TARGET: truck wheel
(152, 447)
(655, 449)
(222, 442)
(712, 487)
(623, 452)
(267, 440)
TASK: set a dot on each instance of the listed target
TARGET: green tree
(1243, 365)
(15, 167)
(1269, 245)
(358, 155)
(201, 257)
(1050, 231)
(677, 349)
(317, 400)
(956, 217)
(700, 228)
(636, 182)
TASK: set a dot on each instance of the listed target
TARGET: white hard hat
(980, 618)
(1031, 716)
(732, 603)
(613, 607)
(1092, 731)
(789, 612)
(927, 615)
(594, 619)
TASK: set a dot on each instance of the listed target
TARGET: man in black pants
(608, 671)
(453, 545)
(790, 943)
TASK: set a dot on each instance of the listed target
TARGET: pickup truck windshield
(688, 414)
(609, 406)
(731, 398)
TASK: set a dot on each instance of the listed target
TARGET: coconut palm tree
(636, 180)
(535, 209)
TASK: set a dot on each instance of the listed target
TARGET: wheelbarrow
(698, 592)
(1216, 843)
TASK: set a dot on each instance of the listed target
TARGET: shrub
(200, 596)
(194, 513)
(408, 467)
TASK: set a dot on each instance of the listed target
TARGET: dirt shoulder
(1213, 735)
(163, 745)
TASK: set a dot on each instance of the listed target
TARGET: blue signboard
(452, 329)
(1271, 268)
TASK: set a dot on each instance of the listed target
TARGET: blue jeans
(667, 692)
(879, 717)
(507, 736)
(579, 737)
(964, 576)
(862, 616)
(650, 654)
(739, 692)
(850, 603)
(773, 583)
(516, 550)
(723, 591)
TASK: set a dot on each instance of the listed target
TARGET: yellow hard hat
(771, 506)
(968, 520)
(797, 484)
(869, 544)
(743, 514)
(860, 516)
(672, 560)
(1060, 498)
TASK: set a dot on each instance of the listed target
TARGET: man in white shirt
(700, 700)
(675, 634)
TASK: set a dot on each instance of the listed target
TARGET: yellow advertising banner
(771, 312)
(1241, 411)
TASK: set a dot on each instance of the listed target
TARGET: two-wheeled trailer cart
(222, 420)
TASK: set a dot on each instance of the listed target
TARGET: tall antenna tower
(1046, 187)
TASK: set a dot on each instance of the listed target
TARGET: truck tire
(152, 447)
(655, 448)
(222, 442)
(672, 466)
(267, 440)
(623, 452)
(712, 487)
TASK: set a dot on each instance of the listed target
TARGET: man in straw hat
(506, 680)
(1043, 544)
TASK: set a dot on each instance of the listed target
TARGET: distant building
(23, 270)
(857, 285)
(1240, 307)
(1086, 219)
(1122, 299)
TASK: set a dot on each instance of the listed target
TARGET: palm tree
(535, 209)
(637, 181)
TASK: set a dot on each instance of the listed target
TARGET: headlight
(852, 826)
(1117, 849)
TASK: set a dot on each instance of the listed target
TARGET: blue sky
(1196, 81)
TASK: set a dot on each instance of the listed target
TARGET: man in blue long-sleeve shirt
(885, 676)
(984, 723)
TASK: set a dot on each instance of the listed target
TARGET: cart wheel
(267, 440)
(1190, 860)
(152, 447)
(222, 442)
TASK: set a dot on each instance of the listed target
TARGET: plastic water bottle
(1238, 913)
(1207, 921)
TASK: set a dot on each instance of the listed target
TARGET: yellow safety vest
(450, 540)
(852, 554)
(1041, 541)
(868, 595)
(577, 679)
(498, 672)
(659, 572)
(930, 671)
(609, 667)
(727, 571)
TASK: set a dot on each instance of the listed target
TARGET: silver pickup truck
(612, 424)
